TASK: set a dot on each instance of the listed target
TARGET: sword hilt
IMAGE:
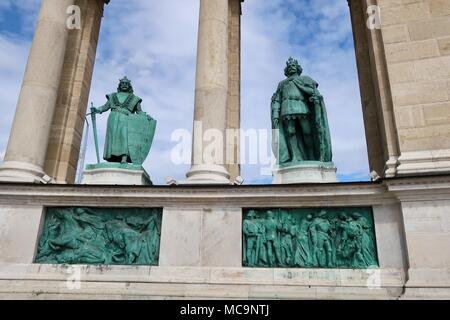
(93, 110)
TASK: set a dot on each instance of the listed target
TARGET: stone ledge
(385, 192)
(133, 291)
(431, 188)
(32, 281)
(202, 275)
(426, 293)
(341, 194)
(424, 162)
(428, 277)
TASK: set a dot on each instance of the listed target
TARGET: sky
(154, 44)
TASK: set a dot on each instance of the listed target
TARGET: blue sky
(154, 43)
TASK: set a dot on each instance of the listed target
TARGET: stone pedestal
(116, 174)
(306, 172)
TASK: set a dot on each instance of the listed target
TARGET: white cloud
(27, 13)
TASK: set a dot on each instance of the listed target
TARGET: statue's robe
(318, 118)
(116, 143)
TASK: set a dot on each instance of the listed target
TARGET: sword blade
(94, 128)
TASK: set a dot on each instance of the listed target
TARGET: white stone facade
(201, 242)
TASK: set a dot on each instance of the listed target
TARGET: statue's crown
(125, 79)
(291, 61)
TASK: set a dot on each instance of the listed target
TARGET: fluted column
(211, 94)
(27, 146)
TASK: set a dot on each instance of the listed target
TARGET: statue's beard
(125, 90)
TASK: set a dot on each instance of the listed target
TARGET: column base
(424, 162)
(116, 174)
(207, 174)
(306, 172)
(16, 171)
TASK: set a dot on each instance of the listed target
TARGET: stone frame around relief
(269, 236)
(99, 236)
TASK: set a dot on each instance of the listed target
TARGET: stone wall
(202, 240)
(404, 71)
(416, 35)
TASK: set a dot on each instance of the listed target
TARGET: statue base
(305, 172)
(205, 174)
(116, 174)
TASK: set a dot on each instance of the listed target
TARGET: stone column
(376, 97)
(27, 146)
(234, 89)
(211, 95)
(68, 122)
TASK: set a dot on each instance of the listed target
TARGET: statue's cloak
(318, 119)
(116, 142)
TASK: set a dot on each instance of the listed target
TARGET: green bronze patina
(309, 238)
(299, 120)
(130, 130)
(100, 236)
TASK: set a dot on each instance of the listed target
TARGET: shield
(141, 130)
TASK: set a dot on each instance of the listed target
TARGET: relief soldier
(272, 227)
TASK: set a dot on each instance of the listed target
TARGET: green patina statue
(100, 236)
(130, 130)
(299, 119)
(304, 238)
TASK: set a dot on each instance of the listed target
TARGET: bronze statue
(130, 130)
(299, 115)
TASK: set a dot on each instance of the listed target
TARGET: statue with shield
(129, 134)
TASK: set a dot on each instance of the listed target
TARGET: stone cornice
(430, 188)
(426, 188)
(313, 195)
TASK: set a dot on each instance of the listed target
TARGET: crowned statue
(299, 119)
(130, 131)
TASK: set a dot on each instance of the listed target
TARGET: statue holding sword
(130, 131)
